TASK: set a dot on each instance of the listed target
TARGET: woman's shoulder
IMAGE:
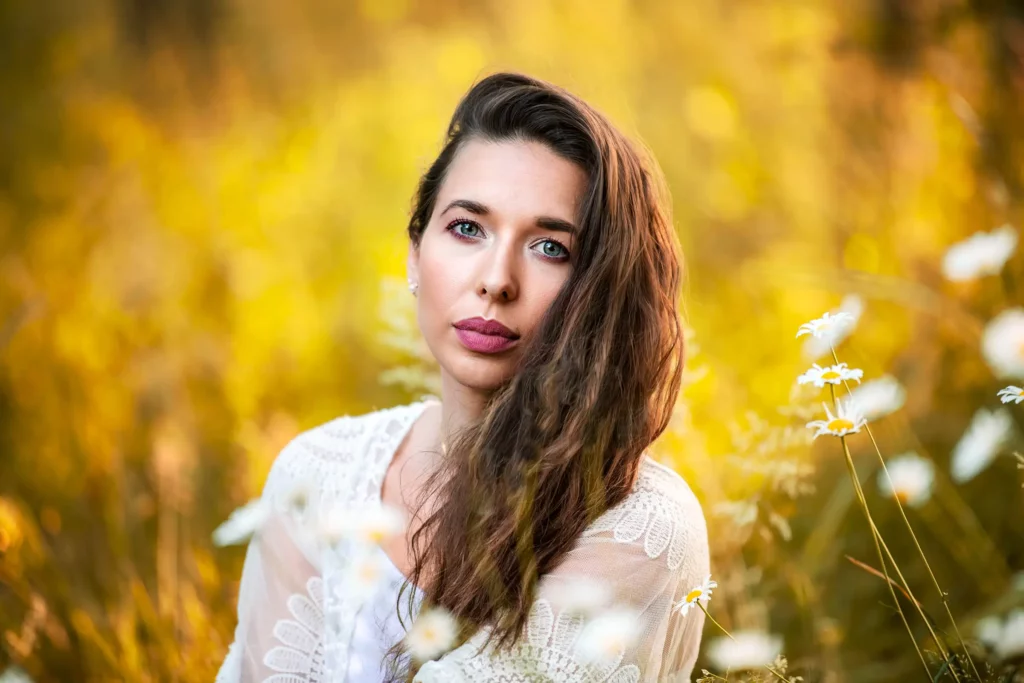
(661, 515)
(661, 481)
(325, 456)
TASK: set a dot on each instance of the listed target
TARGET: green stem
(876, 537)
(704, 610)
(917, 544)
(708, 615)
(879, 543)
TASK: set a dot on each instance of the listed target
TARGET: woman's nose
(498, 279)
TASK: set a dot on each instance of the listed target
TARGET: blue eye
(554, 250)
(468, 231)
(472, 226)
(453, 227)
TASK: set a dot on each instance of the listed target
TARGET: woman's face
(498, 247)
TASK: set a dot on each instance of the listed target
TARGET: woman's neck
(460, 407)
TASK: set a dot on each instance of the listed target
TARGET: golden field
(202, 252)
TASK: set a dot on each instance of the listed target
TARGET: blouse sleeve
(280, 614)
(651, 550)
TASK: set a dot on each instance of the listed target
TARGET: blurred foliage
(203, 203)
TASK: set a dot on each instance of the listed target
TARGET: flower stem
(708, 615)
(917, 543)
(705, 611)
(876, 537)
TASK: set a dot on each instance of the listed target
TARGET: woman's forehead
(513, 177)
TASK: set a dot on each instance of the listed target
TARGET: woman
(547, 273)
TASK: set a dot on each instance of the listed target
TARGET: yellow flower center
(831, 374)
(839, 424)
(903, 495)
(375, 535)
(694, 594)
(429, 633)
(614, 646)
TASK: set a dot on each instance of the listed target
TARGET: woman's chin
(481, 372)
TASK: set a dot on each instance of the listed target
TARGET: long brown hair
(562, 440)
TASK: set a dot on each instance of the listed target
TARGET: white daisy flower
(980, 443)
(846, 421)
(747, 650)
(371, 524)
(242, 524)
(606, 637)
(298, 498)
(877, 398)
(1002, 344)
(432, 634)
(989, 630)
(1011, 393)
(832, 374)
(379, 524)
(827, 324)
(740, 512)
(701, 593)
(816, 347)
(365, 571)
(1004, 636)
(912, 479)
(15, 674)
(983, 253)
(1011, 644)
(332, 525)
(582, 595)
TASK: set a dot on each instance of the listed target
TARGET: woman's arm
(280, 605)
(280, 618)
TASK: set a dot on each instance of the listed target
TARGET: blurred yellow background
(202, 251)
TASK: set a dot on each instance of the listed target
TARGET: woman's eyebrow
(548, 222)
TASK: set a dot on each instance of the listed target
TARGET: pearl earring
(413, 287)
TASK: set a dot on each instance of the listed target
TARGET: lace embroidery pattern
(323, 459)
(300, 657)
(548, 651)
(547, 654)
(658, 514)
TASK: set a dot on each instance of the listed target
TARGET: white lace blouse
(301, 621)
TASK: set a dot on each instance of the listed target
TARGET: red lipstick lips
(484, 336)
